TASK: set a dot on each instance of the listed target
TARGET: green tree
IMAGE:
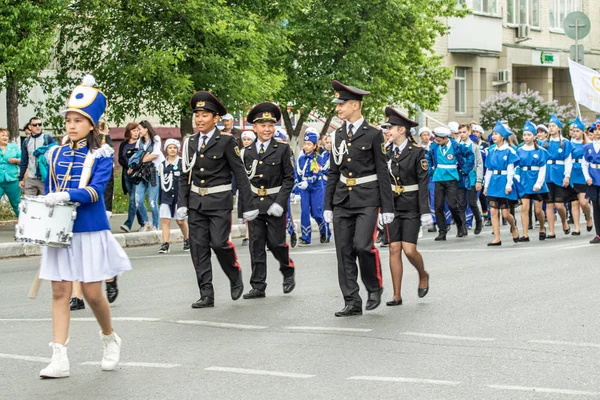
(383, 46)
(150, 56)
(27, 29)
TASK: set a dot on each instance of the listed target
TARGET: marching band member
(532, 180)
(499, 186)
(468, 194)
(79, 172)
(325, 162)
(248, 137)
(270, 168)
(408, 167)
(591, 172)
(282, 137)
(357, 187)
(308, 171)
(578, 181)
(558, 174)
(209, 162)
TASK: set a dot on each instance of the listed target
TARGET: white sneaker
(124, 228)
(112, 351)
(59, 366)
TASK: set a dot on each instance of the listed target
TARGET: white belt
(324, 177)
(577, 160)
(557, 162)
(404, 189)
(500, 172)
(262, 192)
(447, 166)
(595, 166)
(203, 191)
(357, 181)
(530, 168)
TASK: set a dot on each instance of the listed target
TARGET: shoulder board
(104, 151)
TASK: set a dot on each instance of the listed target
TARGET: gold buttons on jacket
(349, 173)
(201, 169)
(201, 155)
(349, 189)
(262, 198)
(349, 159)
(202, 181)
(349, 144)
(260, 162)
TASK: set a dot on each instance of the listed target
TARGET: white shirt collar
(356, 124)
(467, 142)
(209, 134)
(555, 139)
(578, 141)
(528, 147)
(503, 147)
(401, 147)
(172, 163)
(266, 144)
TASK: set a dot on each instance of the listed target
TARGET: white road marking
(136, 364)
(259, 372)
(25, 319)
(160, 256)
(86, 319)
(404, 380)
(557, 342)
(135, 319)
(544, 390)
(24, 358)
(220, 324)
(448, 337)
(323, 328)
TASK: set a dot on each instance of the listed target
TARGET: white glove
(380, 223)
(275, 210)
(57, 197)
(388, 218)
(518, 178)
(328, 215)
(303, 185)
(241, 221)
(427, 220)
(182, 212)
(108, 214)
(250, 215)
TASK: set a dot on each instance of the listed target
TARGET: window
(523, 12)
(559, 9)
(460, 90)
(486, 6)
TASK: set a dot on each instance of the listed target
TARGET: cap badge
(267, 115)
(200, 104)
(337, 95)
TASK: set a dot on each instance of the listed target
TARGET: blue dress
(497, 164)
(531, 162)
(577, 178)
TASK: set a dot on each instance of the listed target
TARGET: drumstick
(35, 286)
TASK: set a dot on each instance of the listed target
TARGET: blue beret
(529, 127)
(501, 129)
(554, 120)
(311, 137)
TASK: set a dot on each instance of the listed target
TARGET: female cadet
(578, 181)
(94, 255)
(558, 174)
(532, 179)
(410, 186)
(591, 171)
(499, 189)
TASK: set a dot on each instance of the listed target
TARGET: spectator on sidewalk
(10, 157)
(126, 149)
(228, 128)
(33, 147)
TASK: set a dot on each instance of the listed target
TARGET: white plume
(88, 80)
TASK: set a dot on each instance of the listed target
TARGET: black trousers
(210, 229)
(596, 210)
(484, 203)
(469, 196)
(270, 231)
(354, 230)
(446, 191)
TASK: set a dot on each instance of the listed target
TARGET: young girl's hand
(508, 190)
(589, 182)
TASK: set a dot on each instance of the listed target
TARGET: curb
(133, 239)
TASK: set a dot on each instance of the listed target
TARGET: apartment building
(511, 46)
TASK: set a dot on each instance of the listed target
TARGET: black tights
(596, 208)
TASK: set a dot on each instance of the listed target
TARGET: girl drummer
(578, 181)
(94, 255)
(532, 180)
(499, 182)
(410, 180)
(558, 176)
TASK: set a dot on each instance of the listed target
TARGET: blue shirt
(555, 173)
(577, 156)
(308, 168)
(9, 172)
(497, 163)
(531, 158)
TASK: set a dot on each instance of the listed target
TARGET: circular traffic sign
(577, 25)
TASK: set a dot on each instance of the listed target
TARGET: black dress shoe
(524, 239)
(550, 236)
(495, 244)
(542, 235)
(595, 240)
(112, 290)
(459, 233)
(374, 300)
(293, 240)
(288, 285)
(478, 228)
(589, 228)
(204, 303)
(323, 238)
(393, 303)
(567, 231)
(432, 229)
(575, 233)
(237, 289)
(245, 242)
(441, 236)
(77, 304)
(254, 294)
(422, 292)
(349, 311)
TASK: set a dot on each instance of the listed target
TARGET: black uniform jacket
(274, 168)
(410, 168)
(366, 156)
(213, 167)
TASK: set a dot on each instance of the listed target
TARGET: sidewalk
(10, 248)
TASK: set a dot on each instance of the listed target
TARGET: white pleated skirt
(92, 257)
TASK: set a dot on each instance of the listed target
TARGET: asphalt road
(516, 322)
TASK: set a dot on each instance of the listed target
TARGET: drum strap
(87, 169)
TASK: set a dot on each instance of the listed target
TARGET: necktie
(204, 138)
(350, 130)
(262, 148)
(397, 152)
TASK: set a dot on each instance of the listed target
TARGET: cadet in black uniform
(270, 169)
(357, 185)
(408, 168)
(209, 159)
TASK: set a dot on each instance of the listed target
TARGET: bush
(516, 109)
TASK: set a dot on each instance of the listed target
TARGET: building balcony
(475, 34)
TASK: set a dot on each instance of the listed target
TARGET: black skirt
(580, 188)
(559, 194)
(502, 203)
(593, 193)
(535, 196)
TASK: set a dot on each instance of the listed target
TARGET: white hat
(172, 141)
(441, 131)
(227, 117)
(453, 126)
(249, 134)
(477, 128)
(311, 129)
(424, 129)
(542, 127)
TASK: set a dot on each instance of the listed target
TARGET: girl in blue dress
(532, 179)
(558, 176)
(499, 182)
(591, 172)
(578, 181)
(79, 172)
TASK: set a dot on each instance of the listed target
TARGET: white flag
(586, 85)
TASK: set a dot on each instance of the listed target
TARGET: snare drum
(43, 224)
